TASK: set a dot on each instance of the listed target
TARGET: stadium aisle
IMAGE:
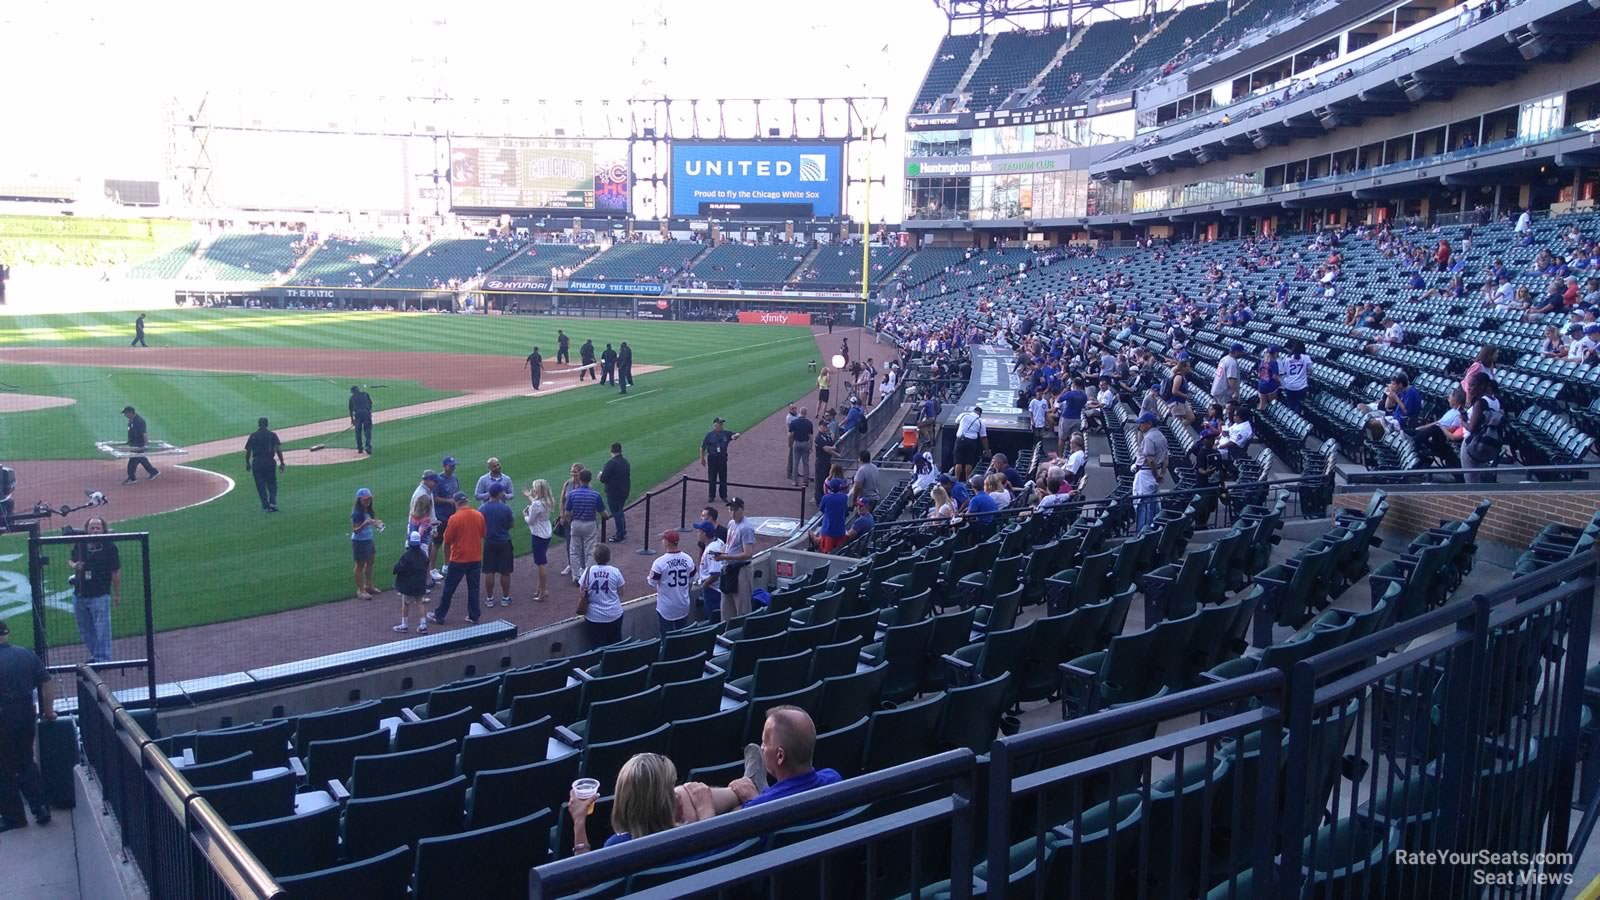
(40, 863)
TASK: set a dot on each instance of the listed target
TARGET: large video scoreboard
(543, 173)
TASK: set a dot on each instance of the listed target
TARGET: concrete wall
(561, 639)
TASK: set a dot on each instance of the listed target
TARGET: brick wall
(1513, 520)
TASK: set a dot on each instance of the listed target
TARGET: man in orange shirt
(463, 540)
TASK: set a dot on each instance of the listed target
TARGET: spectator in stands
(834, 509)
(940, 507)
(1554, 346)
(1207, 462)
(645, 803)
(735, 559)
(709, 572)
(1145, 487)
(1296, 378)
(1394, 335)
(1237, 436)
(998, 489)
(1437, 437)
(788, 745)
(982, 504)
(1485, 428)
(1267, 375)
(1225, 386)
(1399, 407)
(1487, 356)
(863, 521)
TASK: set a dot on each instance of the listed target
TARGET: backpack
(1484, 445)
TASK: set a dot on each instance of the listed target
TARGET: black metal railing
(947, 779)
(1454, 731)
(179, 844)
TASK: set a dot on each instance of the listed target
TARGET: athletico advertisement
(774, 318)
(764, 180)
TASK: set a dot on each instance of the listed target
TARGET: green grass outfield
(183, 407)
(228, 560)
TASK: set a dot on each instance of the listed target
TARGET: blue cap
(944, 478)
(496, 489)
(363, 492)
(706, 527)
(1236, 348)
(1591, 328)
(1183, 356)
(1148, 418)
(460, 497)
(1273, 349)
(447, 462)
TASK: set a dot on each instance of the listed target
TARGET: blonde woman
(942, 509)
(537, 515)
(645, 803)
(561, 510)
(996, 486)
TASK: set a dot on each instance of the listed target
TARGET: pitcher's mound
(323, 457)
(29, 402)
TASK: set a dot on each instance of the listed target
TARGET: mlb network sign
(795, 179)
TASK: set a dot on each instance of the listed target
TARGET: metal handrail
(555, 878)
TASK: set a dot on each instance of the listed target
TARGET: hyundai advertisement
(775, 180)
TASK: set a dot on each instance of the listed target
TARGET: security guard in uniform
(21, 673)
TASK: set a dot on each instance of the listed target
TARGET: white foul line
(635, 394)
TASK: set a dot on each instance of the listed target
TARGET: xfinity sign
(756, 180)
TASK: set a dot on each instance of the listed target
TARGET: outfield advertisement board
(614, 287)
(766, 180)
(651, 309)
(774, 318)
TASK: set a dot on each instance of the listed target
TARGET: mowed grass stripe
(183, 407)
(227, 560)
(653, 342)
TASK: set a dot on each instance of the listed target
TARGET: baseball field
(442, 385)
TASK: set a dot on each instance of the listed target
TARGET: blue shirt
(444, 492)
(1410, 405)
(1070, 405)
(983, 503)
(798, 784)
(959, 493)
(497, 520)
(583, 503)
(833, 507)
(862, 524)
(853, 419)
(364, 533)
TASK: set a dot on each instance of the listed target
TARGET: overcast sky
(90, 82)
